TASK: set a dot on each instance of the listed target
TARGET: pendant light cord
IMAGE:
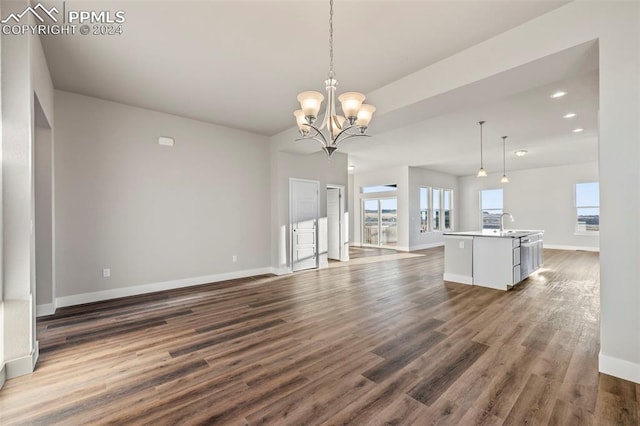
(481, 162)
(504, 156)
(331, 75)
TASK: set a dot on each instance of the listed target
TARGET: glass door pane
(389, 221)
(371, 222)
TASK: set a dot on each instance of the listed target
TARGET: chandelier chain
(331, 75)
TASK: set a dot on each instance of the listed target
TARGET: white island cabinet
(491, 259)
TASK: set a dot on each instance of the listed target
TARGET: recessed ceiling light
(351, 167)
(558, 94)
(578, 130)
(521, 153)
(569, 115)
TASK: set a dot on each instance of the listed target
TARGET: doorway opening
(43, 213)
(337, 230)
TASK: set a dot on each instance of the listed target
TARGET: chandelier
(333, 128)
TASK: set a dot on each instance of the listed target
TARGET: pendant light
(482, 172)
(504, 179)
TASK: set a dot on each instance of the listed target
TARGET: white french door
(380, 222)
(304, 204)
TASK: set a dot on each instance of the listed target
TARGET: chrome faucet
(502, 220)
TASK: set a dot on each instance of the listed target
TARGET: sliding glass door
(380, 222)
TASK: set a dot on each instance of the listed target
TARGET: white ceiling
(449, 141)
(241, 64)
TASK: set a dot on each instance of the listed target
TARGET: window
(588, 207)
(436, 209)
(424, 209)
(491, 207)
(447, 208)
(379, 188)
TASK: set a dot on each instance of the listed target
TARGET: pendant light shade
(504, 179)
(364, 115)
(310, 103)
(301, 122)
(482, 172)
(351, 103)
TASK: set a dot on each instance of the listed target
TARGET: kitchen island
(491, 258)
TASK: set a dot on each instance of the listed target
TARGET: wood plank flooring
(378, 340)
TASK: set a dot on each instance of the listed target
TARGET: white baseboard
(78, 299)
(23, 365)
(281, 271)
(3, 376)
(426, 246)
(44, 310)
(399, 248)
(455, 278)
(574, 248)
(620, 368)
(323, 264)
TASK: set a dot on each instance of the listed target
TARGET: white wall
(3, 373)
(395, 175)
(538, 199)
(157, 216)
(422, 177)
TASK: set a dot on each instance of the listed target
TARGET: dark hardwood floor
(378, 340)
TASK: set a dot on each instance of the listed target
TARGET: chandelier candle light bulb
(338, 128)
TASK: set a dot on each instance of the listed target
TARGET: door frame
(344, 240)
(317, 218)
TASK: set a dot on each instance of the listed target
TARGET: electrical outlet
(461, 244)
(106, 273)
(234, 258)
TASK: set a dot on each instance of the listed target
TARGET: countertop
(507, 233)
